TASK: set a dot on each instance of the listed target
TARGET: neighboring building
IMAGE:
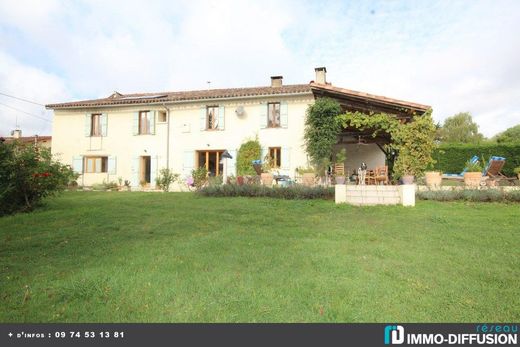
(133, 136)
(42, 141)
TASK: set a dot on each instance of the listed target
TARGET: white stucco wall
(69, 138)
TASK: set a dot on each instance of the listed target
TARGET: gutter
(167, 136)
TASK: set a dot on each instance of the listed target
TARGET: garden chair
(493, 170)
(459, 176)
(381, 175)
(370, 177)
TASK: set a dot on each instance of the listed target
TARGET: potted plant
(433, 178)
(127, 185)
(473, 174)
(266, 176)
(308, 175)
(339, 166)
(517, 172)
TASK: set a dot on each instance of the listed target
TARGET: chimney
(17, 133)
(276, 81)
(321, 75)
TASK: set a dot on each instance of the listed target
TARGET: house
(133, 136)
(41, 141)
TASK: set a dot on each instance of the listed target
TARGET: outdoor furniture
(459, 176)
(370, 177)
(381, 175)
(493, 170)
(339, 170)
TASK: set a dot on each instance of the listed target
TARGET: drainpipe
(167, 136)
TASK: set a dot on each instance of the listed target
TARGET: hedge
(451, 158)
(255, 190)
(474, 195)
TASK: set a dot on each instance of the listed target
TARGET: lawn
(178, 257)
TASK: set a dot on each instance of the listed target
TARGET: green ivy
(248, 151)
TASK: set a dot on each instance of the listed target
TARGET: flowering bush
(27, 175)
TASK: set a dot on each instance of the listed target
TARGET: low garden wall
(361, 195)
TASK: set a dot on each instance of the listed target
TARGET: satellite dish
(240, 111)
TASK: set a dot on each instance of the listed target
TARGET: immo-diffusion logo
(394, 334)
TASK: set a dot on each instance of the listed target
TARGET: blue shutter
(153, 170)
(88, 124)
(135, 125)
(221, 111)
(263, 115)
(284, 115)
(104, 124)
(188, 162)
(152, 115)
(285, 160)
(232, 163)
(202, 118)
(77, 164)
(112, 165)
(135, 171)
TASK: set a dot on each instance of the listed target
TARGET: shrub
(200, 177)
(248, 151)
(289, 193)
(166, 178)
(28, 174)
(450, 158)
(474, 195)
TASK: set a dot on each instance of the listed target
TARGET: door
(145, 170)
(211, 160)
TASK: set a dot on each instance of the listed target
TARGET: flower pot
(340, 179)
(308, 179)
(267, 178)
(472, 179)
(240, 180)
(407, 179)
(433, 178)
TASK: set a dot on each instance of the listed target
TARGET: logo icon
(394, 334)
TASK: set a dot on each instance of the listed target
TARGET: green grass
(178, 257)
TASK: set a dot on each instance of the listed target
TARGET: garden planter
(472, 179)
(308, 179)
(433, 179)
(407, 179)
(340, 179)
(267, 179)
(240, 180)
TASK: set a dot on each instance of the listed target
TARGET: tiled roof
(27, 139)
(194, 95)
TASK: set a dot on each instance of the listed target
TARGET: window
(144, 122)
(96, 164)
(95, 125)
(212, 117)
(276, 157)
(273, 116)
(162, 117)
(211, 161)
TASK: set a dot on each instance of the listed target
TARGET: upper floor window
(144, 122)
(212, 117)
(273, 115)
(162, 117)
(95, 125)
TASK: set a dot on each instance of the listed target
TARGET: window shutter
(232, 163)
(135, 126)
(188, 162)
(202, 118)
(135, 172)
(112, 165)
(104, 124)
(284, 115)
(263, 115)
(77, 164)
(152, 122)
(265, 151)
(221, 111)
(88, 124)
(153, 170)
(286, 158)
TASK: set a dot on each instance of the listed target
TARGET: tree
(460, 128)
(27, 175)
(248, 151)
(511, 135)
(322, 128)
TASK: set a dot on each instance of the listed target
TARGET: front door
(145, 170)
(211, 161)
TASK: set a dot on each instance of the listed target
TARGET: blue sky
(455, 56)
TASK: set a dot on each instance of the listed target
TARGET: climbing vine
(248, 151)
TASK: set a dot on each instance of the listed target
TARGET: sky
(456, 56)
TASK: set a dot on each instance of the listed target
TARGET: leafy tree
(511, 135)
(322, 128)
(166, 178)
(27, 175)
(460, 128)
(248, 151)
